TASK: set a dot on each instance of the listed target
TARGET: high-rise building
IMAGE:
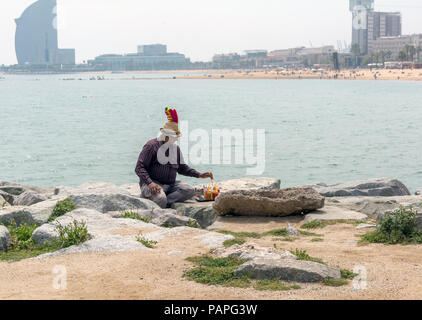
(360, 10)
(36, 40)
(369, 25)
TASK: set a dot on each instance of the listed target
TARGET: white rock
(334, 213)
(28, 198)
(5, 238)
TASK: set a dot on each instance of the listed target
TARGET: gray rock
(418, 192)
(132, 189)
(382, 187)
(91, 188)
(3, 202)
(13, 189)
(251, 251)
(5, 238)
(99, 225)
(169, 218)
(292, 231)
(42, 211)
(256, 184)
(19, 215)
(28, 198)
(111, 243)
(330, 213)
(288, 270)
(105, 202)
(202, 212)
(275, 203)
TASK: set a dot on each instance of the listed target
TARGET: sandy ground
(393, 272)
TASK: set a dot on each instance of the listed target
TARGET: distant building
(36, 40)
(152, 49)
(394, 45)
(256, 53)
(149, 57)
(369, 25)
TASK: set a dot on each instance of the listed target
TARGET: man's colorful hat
(171, 128)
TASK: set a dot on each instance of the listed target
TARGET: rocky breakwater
(271, 203)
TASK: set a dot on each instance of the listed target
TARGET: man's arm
(143, 163)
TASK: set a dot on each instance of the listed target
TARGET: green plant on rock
(72, 234)
(146, 242)
(21, 235)
(133, 215)
(330, 282)
(61, 208)
(347, 274)
(274, 285)
(396, 227)
(303, 255)
(193, 224)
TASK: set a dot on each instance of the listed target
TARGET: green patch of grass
(397, 227)
(216, 271)
(241, 234)
(61, 208)
(303, 255)
(193, 224)
(23, 246)
(317, 240)
(286, 239)
(229, 243)
(334, 282)
(273, 285)
(147, 243)
(316, 224)
(133, 215)
(347, 274)
(31, 251)
(309, 234)
(276, 233)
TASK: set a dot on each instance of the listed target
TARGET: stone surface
(366, 226)
(165, 217)
(288, 270)
(12, 189)
(334, 213)
(418, 192)
(5, 238)
(28, 198)
(373, 187)
(105, 202)
(19, 215)
(202, 212)
(3, 202)
(92, 188)
(251, 251)
(257, 184)
(132, 189)
(292, 231)
(268, 203)
(99, 225)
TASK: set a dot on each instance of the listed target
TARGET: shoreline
(242, 74)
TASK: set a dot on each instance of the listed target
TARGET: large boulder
(12, 189)
(329, 213)
(18, 215)
(91, 188)
(288, 270)
(382, 187)
(272, 203)
(5, 238)
(202, 212)
(28, 198)
(257, 184)
(106, 202)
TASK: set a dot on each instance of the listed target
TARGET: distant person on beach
(159, 163)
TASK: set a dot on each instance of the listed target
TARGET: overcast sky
(198, 28)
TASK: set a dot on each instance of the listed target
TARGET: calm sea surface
(57, 132)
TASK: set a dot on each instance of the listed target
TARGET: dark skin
(156, 189)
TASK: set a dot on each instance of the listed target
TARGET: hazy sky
(198, 28)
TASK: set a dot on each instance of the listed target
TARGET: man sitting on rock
(159, 163)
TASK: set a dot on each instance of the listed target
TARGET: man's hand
(206, 175)
(154, 188)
